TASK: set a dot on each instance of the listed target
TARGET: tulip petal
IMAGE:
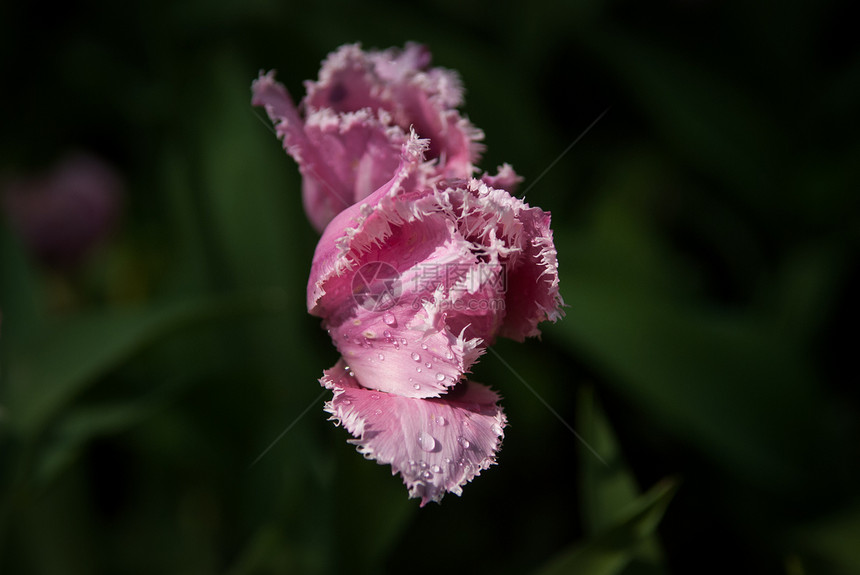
(436, 445)
(400, 82)
(343, 158)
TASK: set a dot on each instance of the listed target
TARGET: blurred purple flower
(62, 215)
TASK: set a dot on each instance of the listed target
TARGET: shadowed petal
(436, 445)
(400, 82)
(343, 158)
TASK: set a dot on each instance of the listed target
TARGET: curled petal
(518, 236)
(436, 445)
(400, 82)
(505, 179)
(533, 290)
(343, 158)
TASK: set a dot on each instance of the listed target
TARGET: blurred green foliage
(708, 234)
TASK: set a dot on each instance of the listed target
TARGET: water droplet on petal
(428, 365)
(380, 356)
(441, 420)
(415, 356)
(388, 318)
(386, 334)
(423, 346)
(416, 386)
(439, 376)
(418, 369)
(347, 402)
(447, 460)
(426, 475)
(426, 441)
(449, 355)
(403, 341)
(464, 443)
(412, 463)
(378, 412)
(422, 464)
(435, 469)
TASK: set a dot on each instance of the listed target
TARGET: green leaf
(607, 486)
(57, 365)
(611, 551)
(79, 427)
(832, 541)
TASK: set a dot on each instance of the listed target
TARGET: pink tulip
(420, 265)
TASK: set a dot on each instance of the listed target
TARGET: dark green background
(707, 230)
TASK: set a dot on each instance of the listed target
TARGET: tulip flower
(420, 265)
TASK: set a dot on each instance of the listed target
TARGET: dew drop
(386, 334)
(411, 463)
(426, 475)
(378, 412)
(426, 441)
(449, 355)
(380, 356)
(464, 443)
(415, 356)
(447, 460)
(423, 346)
(440, 377)
(435, 469)
(418, 369)
(403, 341)
(428, 365)
(416, 386)
(441, 420)
(347, 402)
(422, 464)
(388, 318)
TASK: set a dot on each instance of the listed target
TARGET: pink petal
(405, 336)
(533, 290)
(519, 237)
(400, 342)
(505, 179)
(437, 445)
(343, 158)
(398, 82)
